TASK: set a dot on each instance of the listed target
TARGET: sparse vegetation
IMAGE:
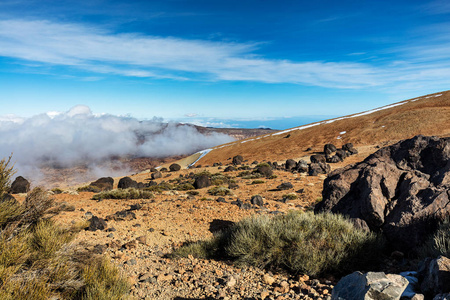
(37, 260)
(298, 242)
(6, 173)
(185, 187)
(290, 196)
(89, 188)
(130, 193)
(439, 243)
(259, 181)
(220, 191)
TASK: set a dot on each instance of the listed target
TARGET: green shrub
(185, 187)
(290, 196)
(244, 173)
(193, 193)
(130, 193)
(219, 191)
(439, 243)
(258, 181)
(104, 282)
(298, 242)
(89, 188)
(6, 173)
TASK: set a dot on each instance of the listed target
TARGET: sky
(255, 63)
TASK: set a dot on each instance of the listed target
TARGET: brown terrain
(171, 218)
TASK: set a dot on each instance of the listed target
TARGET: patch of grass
(37, 260)
(185, 187)
(290, 196)
(89, 188)
(297, 242)
(130, 193)
(162, 186)
(220, 191)
(193, 193)
(259, 181)
(104, 282)
(244, 173)
(439, 243)
(273, 176)
(199, 249)
(57, 191)
(6, 173)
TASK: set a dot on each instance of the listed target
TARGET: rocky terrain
(355, 166)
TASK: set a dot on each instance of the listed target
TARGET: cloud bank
(79, 137)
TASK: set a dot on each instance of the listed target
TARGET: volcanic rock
(202, 181)
(401, 190)
(20, 185)
(104, 183)
(290, 164)
(127, 182)
(318, 158)
(174, 167)
(237, 160)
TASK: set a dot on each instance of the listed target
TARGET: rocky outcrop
(20, 185)
(369, 286)
(401, 190)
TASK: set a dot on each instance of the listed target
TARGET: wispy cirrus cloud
(101, 51)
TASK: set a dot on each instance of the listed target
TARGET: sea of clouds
(79, 137)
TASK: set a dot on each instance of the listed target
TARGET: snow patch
(342, 132)
(202, 154)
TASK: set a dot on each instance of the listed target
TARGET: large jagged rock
(369, 286)
(402, 190)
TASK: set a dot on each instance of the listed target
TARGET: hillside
(426, 115)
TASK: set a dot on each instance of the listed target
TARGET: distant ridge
(426, 115)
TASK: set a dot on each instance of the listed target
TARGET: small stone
(264, 294)
(131, 262)
(231, 281)
(267, 279)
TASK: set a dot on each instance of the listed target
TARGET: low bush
(290, 196)
(130, 193)
(439, 243)
(185, 187)
(297, 242)
(258, 181)
(219, 191)
(103, 282)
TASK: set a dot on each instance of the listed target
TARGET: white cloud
(97, 50)
(80, 137)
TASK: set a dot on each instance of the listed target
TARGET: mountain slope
(426, 115)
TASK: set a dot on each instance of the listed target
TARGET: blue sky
(221, 63)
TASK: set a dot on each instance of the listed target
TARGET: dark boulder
(302, 166)
(333, 159)
(238, 160)
(318, 168)
(318, 158)
(257, 200)
(96, 223)
(230, 169)
(202, 181)
(264, 169)
(104, 183)
(174, 167)
(329, 149)
(349, 149)
(341, 154)
(400, 190)
(156, 175)
(127, 182)
(20, 185)
(285, 186)
(290, 164)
